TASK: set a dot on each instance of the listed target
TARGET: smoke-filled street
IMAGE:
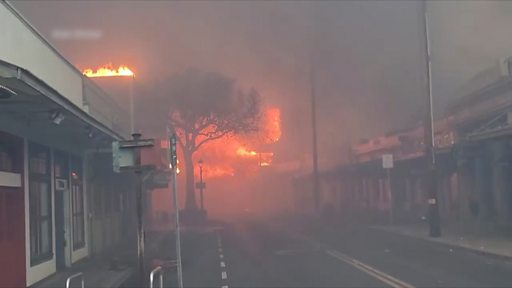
(255, 253)
(215, 143)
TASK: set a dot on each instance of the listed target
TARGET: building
(484, 117)
(59, 201)
(472, 144)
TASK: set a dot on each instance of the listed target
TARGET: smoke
(367, 55)
(467, 37)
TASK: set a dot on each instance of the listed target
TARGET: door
(61, 173)
(60, 239)
(12, 237)
(12, 213)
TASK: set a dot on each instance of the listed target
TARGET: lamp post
(433, 205)
(132, 104)
(201, 183)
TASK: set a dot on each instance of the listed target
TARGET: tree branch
(180, 141)
(210, 139)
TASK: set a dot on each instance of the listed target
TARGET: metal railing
(74, 276)
(158, 271)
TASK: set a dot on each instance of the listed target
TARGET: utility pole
(431, 179)
(174, 166)
(140, 212)
(316, 184)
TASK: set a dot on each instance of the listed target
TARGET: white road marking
(224, 274)
(388, 279)
(219, 240)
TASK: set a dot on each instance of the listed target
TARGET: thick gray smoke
(367, 54)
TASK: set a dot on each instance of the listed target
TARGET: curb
(451, 245)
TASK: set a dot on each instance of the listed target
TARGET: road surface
(250, 253)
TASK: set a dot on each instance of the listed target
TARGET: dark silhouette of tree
(202, 107)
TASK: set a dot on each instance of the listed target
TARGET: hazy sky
(367, 54)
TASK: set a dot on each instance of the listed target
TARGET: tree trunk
(190, 200)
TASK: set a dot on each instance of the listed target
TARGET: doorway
(61, 178)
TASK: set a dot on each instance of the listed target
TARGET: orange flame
(243, 154)
(177, 166)
(108, 71)
(241, 151)
(272, 125)
(266, 158)
(213, 171)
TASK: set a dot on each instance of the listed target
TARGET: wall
(12, 231)
(12, 237)
(22, 47)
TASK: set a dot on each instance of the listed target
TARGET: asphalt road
(250, 253)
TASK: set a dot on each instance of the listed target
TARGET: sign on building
(123, 152)
(387, 161)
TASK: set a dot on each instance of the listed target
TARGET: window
(6, 161)
(77, 204)
(40, 202)
(10, 153)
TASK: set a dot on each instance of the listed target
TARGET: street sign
(387, 161)
(136, 143)
(124, 152)
(159, 179)
(122, 157)
(200, 185)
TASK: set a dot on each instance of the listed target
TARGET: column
(499, 178)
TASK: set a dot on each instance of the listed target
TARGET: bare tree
(205, 106)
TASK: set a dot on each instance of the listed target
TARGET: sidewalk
(97, 274)
(497, 242)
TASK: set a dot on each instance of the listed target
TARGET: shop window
(6, 161)
(40, 202)
(77, 204)
(10, 153)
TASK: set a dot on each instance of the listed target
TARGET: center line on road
(388, 279)
(224, 274)
(385, 278)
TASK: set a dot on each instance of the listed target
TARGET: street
(251, 253)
